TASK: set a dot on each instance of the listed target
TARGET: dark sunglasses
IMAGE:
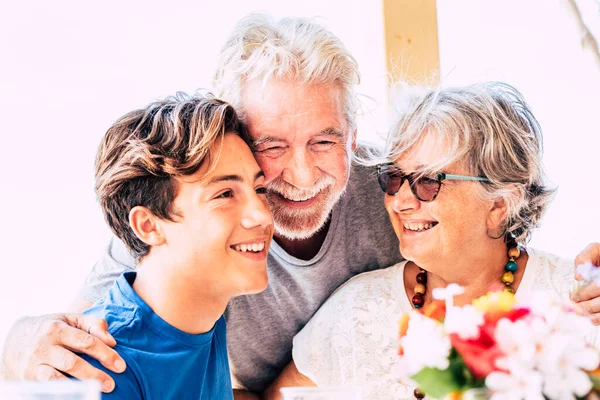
(423, 187)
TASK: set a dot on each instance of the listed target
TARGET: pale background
(68, 69)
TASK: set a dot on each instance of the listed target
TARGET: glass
(315, 393)
(54, 390)
(424, 188)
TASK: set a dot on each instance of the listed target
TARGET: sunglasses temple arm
(465, 178)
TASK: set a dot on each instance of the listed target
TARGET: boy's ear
(146, 226)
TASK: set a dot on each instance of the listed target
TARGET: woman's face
(446, 228)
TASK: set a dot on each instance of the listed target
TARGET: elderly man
(293, 83)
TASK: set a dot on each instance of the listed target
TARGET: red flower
(480, 354)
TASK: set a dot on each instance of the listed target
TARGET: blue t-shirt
(163, 362)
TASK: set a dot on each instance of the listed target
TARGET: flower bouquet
(497, 346)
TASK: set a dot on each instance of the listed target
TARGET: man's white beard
(298, 224)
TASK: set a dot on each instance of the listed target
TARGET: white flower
(447, 294)
(549, 342)
(562, 359)
(424, 345)
(568, 385)
(464, 321)
(519, 340)
(560, 317)
(521, 383)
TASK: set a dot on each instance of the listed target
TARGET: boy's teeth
(254, 247)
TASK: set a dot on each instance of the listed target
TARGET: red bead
(418, 394)
(418, 300)
(422, 278)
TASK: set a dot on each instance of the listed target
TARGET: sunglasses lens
(390, 180)
(426, 188)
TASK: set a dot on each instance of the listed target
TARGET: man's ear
(146, 226)
(497, 214)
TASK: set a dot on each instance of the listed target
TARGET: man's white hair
(262, 47)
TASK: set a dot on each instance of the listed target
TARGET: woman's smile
(418, 227)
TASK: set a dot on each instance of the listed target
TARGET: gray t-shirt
(261, 327)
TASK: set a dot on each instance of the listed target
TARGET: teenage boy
(181, 189)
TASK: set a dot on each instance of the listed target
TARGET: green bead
(417, 306)
(511, 266)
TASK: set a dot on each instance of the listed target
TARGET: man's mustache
(289, 191)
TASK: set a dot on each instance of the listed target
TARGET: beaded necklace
(508, 277)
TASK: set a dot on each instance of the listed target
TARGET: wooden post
(411, 41)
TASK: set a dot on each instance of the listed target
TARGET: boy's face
(223, 235)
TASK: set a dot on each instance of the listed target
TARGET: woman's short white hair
(489, 129)
(290, 48)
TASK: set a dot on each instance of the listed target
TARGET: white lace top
(353, 339)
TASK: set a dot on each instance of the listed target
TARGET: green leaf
(438, 384)
(595, 381)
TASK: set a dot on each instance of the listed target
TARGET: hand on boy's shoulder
(127, 383)
(43, 348)
(117, 316)
(121, 325)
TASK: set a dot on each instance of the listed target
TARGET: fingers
(42, 347)
(94, 326)
(585, 293)
(587, 299)
(79, 341)
(52, 354)
(45, 373)
(590, 308)
(590, 254)
(68, 362)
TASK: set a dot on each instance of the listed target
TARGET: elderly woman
(464, 191)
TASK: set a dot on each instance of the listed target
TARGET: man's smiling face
(302, 142)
